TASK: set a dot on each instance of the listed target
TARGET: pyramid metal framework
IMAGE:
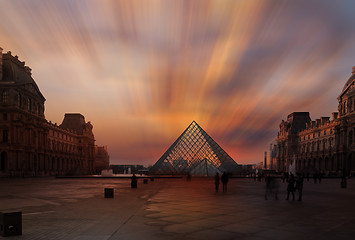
(195, 152)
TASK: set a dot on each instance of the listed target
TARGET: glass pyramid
(195, 152)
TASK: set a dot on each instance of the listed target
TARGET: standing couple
(224, 179)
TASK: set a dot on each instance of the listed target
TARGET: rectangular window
(5, 136)
(29, 104)
(4, 97)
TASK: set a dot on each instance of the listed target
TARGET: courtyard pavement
(177, 209)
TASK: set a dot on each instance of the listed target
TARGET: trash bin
(108, 192)
(10, 224)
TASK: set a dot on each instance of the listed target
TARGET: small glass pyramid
(195, 152)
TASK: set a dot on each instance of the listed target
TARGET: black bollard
(10, 224)
(343, 183)
(109, 192)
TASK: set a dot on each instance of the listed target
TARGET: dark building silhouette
(102, 159)
(128, 169)
(322, 145)
(31, 145)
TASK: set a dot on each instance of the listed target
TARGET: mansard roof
(348, 83)
(15, 72)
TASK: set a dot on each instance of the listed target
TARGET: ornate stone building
(102, 159)
(323, 145)
(31, 145)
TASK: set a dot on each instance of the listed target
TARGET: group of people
(293, 185)
(272, 187)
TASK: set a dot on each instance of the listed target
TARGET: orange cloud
(142, 71)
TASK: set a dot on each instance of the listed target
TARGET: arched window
(351, 137)
(350, 105)
(5, 135)
(19, 99)
(29, 103)
(3, 161)
(344, 107)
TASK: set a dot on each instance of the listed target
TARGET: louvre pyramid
(195, 152)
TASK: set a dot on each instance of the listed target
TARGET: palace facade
(324, 145)
(29, 144)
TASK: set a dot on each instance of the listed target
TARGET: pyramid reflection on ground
(195, 152)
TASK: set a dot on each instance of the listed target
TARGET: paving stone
(175, 209)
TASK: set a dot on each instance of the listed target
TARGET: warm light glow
(142, 71)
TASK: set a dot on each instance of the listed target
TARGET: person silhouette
(216, 181)
(299, 185)
(268, 188)
(133, 181)
(224, 179)
(291, 187)
(188, 178)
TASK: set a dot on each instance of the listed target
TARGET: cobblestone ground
(177, 209)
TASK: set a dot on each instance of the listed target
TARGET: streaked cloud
(141, 71)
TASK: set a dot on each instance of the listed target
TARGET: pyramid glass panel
(195, 152)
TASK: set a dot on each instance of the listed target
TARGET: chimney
(335, 115)
(0, 63)
(353, 72)
(324, 120)
(28, 70)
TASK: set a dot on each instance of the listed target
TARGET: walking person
(291, 187)
(343, 180)
(299, 185)
(224, 179)
(216, 181)
(315, 177)
(275, 186)
(268, 188)
(133, 181)
(188, 178)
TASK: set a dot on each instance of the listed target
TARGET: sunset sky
(142, 71)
